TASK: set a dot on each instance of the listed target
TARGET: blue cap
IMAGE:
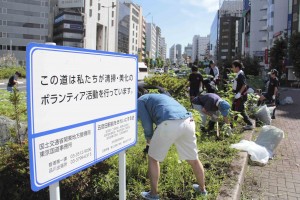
(224, 108)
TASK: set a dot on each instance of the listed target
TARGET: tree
(278, 53)
(8, 60)
(251, 65)
(147, 62)
(294, 51)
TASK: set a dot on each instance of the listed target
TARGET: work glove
(188, 88)
(237, 96)
(228, 131)
(273, 97)
(146, 149)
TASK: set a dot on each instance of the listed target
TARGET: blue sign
(75, 118)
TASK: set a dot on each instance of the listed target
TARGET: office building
(22, 22)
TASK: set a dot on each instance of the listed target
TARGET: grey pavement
(280, 178)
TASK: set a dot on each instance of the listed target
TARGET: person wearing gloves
(240, 89)
(195, 83)
(209, 105)
(272, 88)
(174, 125)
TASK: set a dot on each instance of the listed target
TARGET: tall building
(151, 40)
(199, 47)
(68, 29)
(158, 42)
(129, 28)
(277, 19)
(224, 38)
(163, 49)
(187, 55)
(123, 28)
(142, 37)
(179, 53)
(172, 55)
(295, 15)
(22, 22)
(100, 20)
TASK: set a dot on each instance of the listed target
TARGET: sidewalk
(280, 178)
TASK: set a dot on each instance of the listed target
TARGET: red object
(266, 56)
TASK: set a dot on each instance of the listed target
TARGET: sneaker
(248, 127)
(197, 189)
(147, 195)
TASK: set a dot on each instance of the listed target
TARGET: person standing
(195, 83)
(240, 89)
(272, 91)
(211, 83)
(12, 81)
(174, 125)
(209, 105)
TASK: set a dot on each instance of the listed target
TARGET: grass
(101, 180)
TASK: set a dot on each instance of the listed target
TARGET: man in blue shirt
(209, 105)
(174, 125)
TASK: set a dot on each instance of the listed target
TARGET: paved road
(280, 178)
(21, 87)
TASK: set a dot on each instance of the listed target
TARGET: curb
(232, 186)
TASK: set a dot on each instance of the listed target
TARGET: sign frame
(32, 136)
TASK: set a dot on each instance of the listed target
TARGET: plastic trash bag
(263, 115)
(258, 153)
(271, 109)
(269, 137)
(288, 100)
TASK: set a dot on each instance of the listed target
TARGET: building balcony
(264, 18)
(264, 28)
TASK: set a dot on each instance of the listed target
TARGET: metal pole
(107, 28)
(54, 191)
(122, 175)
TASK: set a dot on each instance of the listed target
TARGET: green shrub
(6, 72)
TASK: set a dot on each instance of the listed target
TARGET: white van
(143, 71)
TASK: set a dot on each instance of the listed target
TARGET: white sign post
(82, 109)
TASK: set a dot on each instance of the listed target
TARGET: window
(132, 40)
(98, 16)
(112, 13)
(132, 33)
(4, 35)
(112, 22)
(4, 23)
(132, 48)
(91, 2)
(0, 34)
(4, 47)
(0, 22)
(133, 26)
(4, 10)
(90, 13)
(99, 6)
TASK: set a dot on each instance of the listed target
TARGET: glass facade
(214, 37)
(123, 28)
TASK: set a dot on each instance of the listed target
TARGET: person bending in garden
(174, 125)
(12, 81)
(272, 92)
(195, 83)
(240, 89)
(209, 105)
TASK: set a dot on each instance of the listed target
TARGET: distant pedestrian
(195, 83)
(174, 125)
(240, 89)
(13, 81)
(211, 83)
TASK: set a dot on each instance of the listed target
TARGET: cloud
(209, 5)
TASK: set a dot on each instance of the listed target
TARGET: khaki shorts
(180, 132)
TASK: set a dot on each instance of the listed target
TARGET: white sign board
(82, 108)
(70, 3)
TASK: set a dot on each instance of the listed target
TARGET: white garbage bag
(269, 137)
(288, 100)
(258, 153)
(263, 115)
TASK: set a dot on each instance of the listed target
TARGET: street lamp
(107, 33)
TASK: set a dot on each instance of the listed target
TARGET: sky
(180, 20)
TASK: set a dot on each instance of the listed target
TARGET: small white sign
(75, 97)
